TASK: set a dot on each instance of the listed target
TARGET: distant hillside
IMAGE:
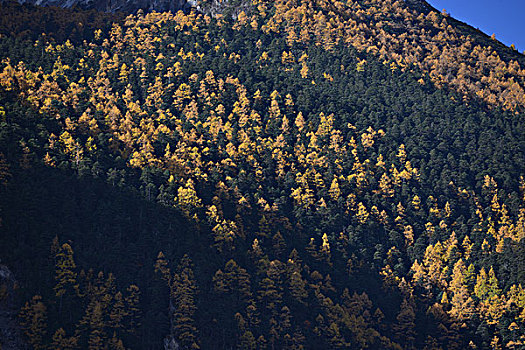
(483, 39)
(291, 175)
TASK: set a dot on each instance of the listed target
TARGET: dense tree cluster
(402, 36)
(300, 177)
(98, 314)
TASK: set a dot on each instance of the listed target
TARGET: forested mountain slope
(114, 6)
(310, 175)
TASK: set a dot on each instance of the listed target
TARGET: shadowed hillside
(308, 175)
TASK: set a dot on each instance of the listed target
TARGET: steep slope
(406, 32)
(291, 179)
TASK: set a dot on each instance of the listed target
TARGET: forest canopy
(300, 175)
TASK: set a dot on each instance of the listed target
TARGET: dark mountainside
(127, 6)
(290, 174)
